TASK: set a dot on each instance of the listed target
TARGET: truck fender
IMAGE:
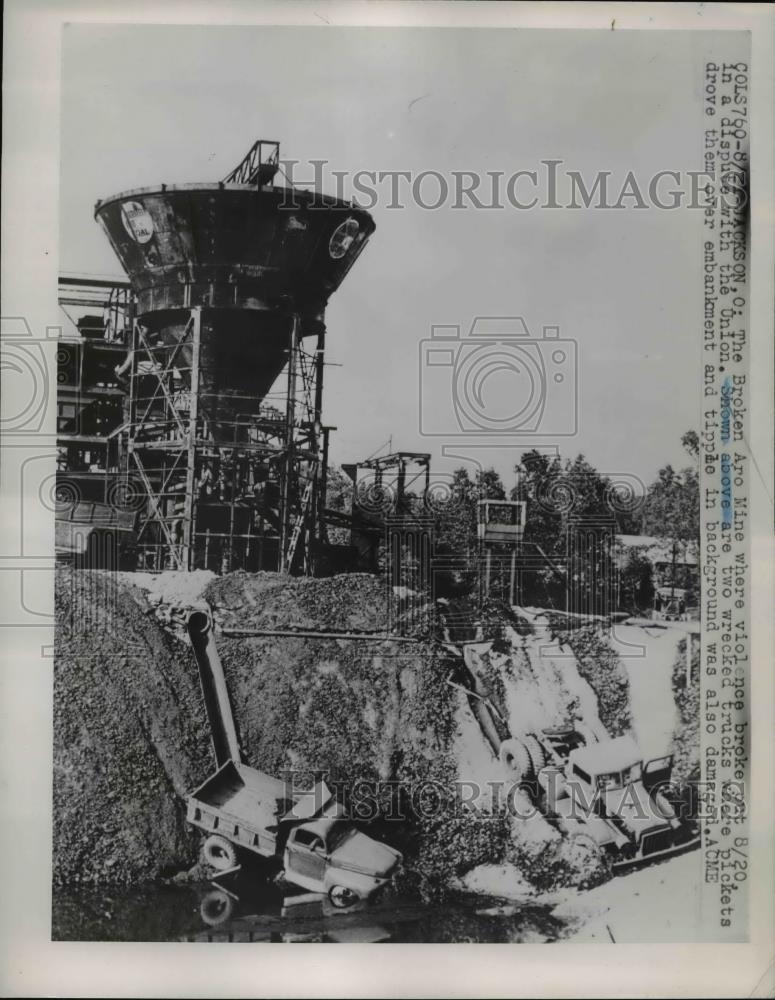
(347, 888)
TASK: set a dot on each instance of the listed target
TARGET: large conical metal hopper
(252, 257)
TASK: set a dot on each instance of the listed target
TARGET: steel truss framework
(98, 312)
(224, 493)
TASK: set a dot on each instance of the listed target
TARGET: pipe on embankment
(214, 690)
(478, 696)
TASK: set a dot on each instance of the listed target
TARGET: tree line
(559, 495)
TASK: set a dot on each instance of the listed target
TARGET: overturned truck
(597, 791)
(603, 793)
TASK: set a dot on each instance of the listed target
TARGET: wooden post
(290, 418)
(189, 528)
(319, 444)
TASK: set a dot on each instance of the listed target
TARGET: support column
(189, 506)
(290, 420)
(320, 449)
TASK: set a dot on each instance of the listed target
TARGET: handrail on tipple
(214, 690)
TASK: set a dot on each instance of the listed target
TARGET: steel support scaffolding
(223, 490)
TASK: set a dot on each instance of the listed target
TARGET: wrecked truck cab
(603, 793)
(611, 778)
(616, 765)
(607, 782)
(245, 812)
(332, 857)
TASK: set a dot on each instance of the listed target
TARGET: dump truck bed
(241, 804)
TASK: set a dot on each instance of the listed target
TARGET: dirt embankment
(343, 706)
(686, 737)
(129, 736)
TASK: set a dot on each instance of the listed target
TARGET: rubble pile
(130, 736)
(686, 737)
(172, 595)
(350, 602)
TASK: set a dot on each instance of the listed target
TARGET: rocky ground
(130, 736)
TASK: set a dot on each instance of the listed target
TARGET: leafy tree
(339, 497)
(672, 508)
(455, 516)
(672, 513)
(691, 443)
(636, 583)
(488, 485)
(455, 528)
(538, 482)
(561, 498)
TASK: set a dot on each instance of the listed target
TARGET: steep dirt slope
(129, 736)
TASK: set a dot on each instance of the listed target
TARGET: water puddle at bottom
(209, 913)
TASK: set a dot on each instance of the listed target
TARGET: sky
(144, 105)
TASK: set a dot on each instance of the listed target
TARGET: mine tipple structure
(193, 393)
(392, 503)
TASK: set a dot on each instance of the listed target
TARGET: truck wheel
(219, 853)
(216, 908)
(536, 753)
(585, 841)
(342, 897)
(516, 759)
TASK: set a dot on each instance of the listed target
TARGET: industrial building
(190, 407)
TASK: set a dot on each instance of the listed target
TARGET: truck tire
(219, 853)
(536, 753)
(585, 841)
(216, 908)
(515, 758)
(342, 897)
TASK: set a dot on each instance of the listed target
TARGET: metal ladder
(298, 525)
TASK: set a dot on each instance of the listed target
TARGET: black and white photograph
(390, 483)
